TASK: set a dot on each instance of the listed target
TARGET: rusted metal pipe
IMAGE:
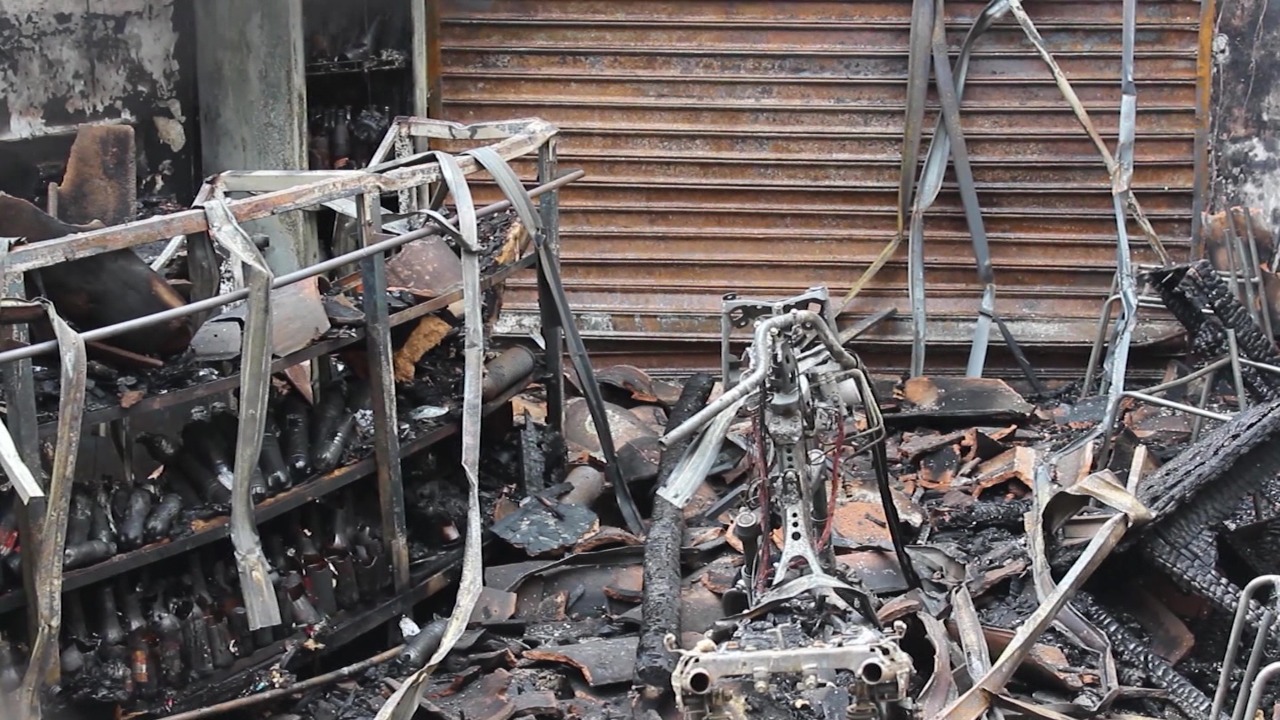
(511, 366)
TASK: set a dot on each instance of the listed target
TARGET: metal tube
(1237, 632)
(1211, 367)
(1198, 422)
(1249, 276)
(1104, 320)
(1162, 402)
(1256, 272)
(1255, 659)
(1241, 398)
(1260, 366)
(1255, 696)
(428, 230)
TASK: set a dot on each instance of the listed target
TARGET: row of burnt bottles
(344, 138)
(196, 477)
(136, 639)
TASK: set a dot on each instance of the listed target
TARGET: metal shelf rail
(218, 220)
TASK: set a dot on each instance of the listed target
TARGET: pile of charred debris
(822, 543)
(799, 538)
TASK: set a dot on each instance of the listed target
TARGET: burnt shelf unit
(273, 193)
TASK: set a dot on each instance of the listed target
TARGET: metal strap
(255, 383)
(403, 704)
(917, 91)
(523, 204)
(44, 666)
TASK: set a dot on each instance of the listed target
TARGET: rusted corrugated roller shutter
(752, 146)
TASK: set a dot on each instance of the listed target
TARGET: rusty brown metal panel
(753, 146)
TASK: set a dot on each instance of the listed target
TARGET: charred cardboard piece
(98, 290)
(101, 181)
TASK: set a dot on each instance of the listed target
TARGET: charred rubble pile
(823, 543)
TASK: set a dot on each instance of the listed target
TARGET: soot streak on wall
(63, 62)
(1246, 107)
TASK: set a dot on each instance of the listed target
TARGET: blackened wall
(1245, 121)
(63, 62)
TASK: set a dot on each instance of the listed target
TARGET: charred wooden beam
(662, 575)
(1136, 654)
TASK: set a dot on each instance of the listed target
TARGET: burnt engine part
(808, 636)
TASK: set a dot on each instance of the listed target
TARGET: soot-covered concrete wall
(1245, 120)
(64, 62)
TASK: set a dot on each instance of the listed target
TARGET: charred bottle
(132, 525)
(190, 467)
(295, 435)
(338, 555)
(228, 426)
(109, 629)
(168, 633)
(334, 427)
(271, 461)
(160, 521)
(202, 440)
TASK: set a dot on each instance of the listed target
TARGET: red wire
(835, 485)
(762, 472)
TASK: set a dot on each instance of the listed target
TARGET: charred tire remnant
(1199, 489)
(1197, 573)
(1135, 654)
(662, 576)
(985, 514)
(1233, 459)
(1188, 291)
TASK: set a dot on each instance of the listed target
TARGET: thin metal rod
(1236, 375)
(1260, 366)
(1162, 402)
(1237, 632)
(294, 689)
(1255, 660)
(1256, 264)
(1255, 697)
(428, 230)
(1211, 367)
(1198, 423)
(1100, 339)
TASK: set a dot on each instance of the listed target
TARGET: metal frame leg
(552, 330)
(386, 444)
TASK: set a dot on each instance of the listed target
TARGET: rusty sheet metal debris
(300, 318)
(1054, 596)
(426, 268)
(402, 704)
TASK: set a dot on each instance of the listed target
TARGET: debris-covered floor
(1054, 567)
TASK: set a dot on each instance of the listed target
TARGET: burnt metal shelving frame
(411, 174)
